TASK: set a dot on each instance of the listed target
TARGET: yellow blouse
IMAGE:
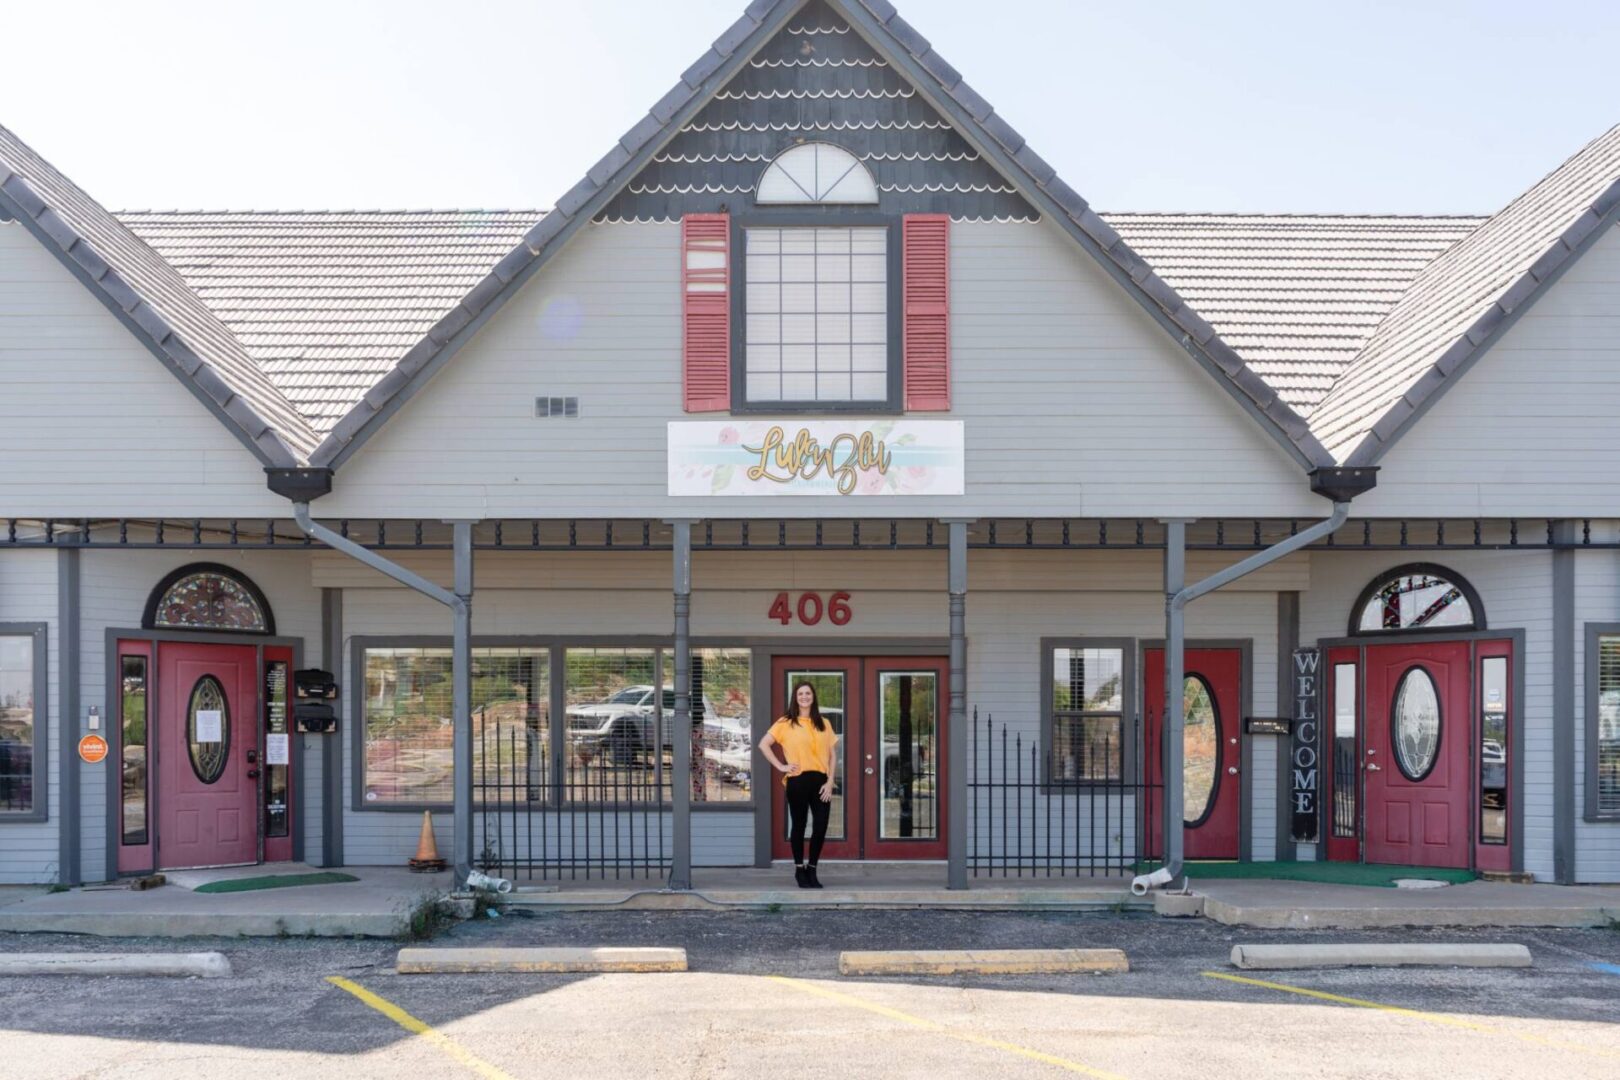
(804, 746)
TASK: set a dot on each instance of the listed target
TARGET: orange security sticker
(93, 748)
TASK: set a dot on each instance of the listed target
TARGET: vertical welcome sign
(1303, 762)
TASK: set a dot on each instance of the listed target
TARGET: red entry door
(207, 762)
(1415, 761)
(889, 792)
(1211, 750)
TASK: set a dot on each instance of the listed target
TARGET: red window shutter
(706, 312)
(926, 296)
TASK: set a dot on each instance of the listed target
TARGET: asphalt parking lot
(763, 998)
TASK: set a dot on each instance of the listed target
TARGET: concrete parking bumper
(983, 962)
(537, 961)
(1295, 957)
(206, 965)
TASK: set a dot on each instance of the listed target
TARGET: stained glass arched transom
(208, 729)
(1417, 599)
(206, 597)
(816, 173)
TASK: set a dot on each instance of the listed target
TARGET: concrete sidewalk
(1303, 905)
(377, 905)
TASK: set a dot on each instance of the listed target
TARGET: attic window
(814, 173)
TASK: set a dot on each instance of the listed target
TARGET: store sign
(1304, 771)
(816, 457)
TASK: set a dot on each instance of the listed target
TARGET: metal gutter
(459, 602)
(1177, 597)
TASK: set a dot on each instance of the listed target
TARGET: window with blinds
(1607, 736)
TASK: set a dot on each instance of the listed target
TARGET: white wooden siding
(91, 423)
(1516, 590)
(29, 851)
(1075, 401)
(1529, 431)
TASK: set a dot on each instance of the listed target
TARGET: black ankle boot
(810, 879)
(802, 876)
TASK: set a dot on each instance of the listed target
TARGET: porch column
(461, 697)
(680, 865)
(1175, 635)
(956, 817)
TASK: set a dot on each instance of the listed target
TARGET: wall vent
(549, 407)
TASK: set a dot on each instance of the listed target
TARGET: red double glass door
(889, 788)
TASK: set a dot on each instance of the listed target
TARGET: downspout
(1177, 597)
(460, 604)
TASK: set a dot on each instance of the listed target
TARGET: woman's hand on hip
(793, 770)
(826, 791)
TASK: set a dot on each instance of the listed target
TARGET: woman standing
(807, 742)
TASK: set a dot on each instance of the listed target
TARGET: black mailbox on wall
(314, 691)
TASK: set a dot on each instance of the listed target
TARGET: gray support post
(331, 746)
(1175, 639)
(461, 698)
(69, 872)
(957, 818)
(1563, 643)
(680, 866)
(1287, 642)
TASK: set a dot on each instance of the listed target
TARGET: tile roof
(1297, 295)
(328, 301)
(1462, 299)
(174, 322)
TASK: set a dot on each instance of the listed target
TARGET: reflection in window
(408, 723)
(1608, 726)
(722, 747)
(1087, 714)
(1493, 771)
(908, 781)
(619, 736)
(1344, 750)
(1201, 749)
(17, 723)
(132, 721)
(1416, 602)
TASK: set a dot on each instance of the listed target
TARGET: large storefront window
(21, 730)
(722, 746)
(408, 722)
(1088, 715)
(617, 739)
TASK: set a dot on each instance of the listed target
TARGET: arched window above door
(1417, 597)
(207, 596)
(816, 173)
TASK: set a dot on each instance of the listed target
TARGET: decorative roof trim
(20, 200)
(939, 83)
(1474, 342)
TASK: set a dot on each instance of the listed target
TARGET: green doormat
(1328, 873)
(273, 881)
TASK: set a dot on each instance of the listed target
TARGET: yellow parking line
(410, 1023)
(1433, 1018)
(954, 1033)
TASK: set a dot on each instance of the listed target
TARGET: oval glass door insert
(1415, 724)
(208, 729)
(1201, 751)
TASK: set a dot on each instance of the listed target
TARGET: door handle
(253, 774)
(252, 756)
(1373, 767)
(869, 770)
(1232, 769)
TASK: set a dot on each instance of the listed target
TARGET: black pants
(804, 799)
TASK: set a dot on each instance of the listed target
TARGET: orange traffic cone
(427, 859)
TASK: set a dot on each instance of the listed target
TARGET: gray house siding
(29, 851)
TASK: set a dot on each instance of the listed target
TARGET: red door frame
(862, 801)
(1219, 835)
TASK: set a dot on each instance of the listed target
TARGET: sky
(1367, 106)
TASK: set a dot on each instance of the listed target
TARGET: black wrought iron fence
(603, 813)
(1034, 814)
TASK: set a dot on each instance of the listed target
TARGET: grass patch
(274, 881)
(1379, 875)
(426, 919)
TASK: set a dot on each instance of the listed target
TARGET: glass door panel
(908, 706)
(832, 688)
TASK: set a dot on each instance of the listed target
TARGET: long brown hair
(815, 706)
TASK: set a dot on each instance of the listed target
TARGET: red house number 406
(810, 608)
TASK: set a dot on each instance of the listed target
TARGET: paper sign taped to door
(275, 749)
(210, 725)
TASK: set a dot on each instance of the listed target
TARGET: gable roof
(146, 294)
(1465, 300)
(940, 83)
(327, 302)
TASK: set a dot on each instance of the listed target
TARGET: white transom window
(817, 302)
